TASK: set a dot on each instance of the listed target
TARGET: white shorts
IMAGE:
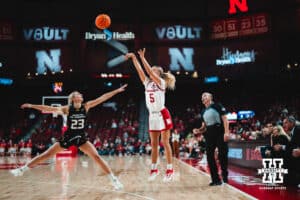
(160, 121)
(2, 150)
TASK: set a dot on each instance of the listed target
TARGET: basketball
(102, 21)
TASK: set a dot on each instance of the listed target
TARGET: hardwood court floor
(79, 178)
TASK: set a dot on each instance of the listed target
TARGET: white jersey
(155, 95)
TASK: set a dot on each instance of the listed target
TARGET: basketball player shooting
(160, 121)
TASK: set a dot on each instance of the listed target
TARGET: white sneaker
(169, 175)
(117, 184)
(153, 174)
(17, 172)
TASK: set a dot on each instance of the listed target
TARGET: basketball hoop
(54, 101)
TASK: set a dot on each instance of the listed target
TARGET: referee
(214, 121)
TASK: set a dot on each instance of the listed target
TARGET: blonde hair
(168, 77)
(170, 80)
(71, 96)
(282, 132)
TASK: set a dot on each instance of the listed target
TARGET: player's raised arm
(45, 108)
(147, 67)
(137, 66)
(104, 97)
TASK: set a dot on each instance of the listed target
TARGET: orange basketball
(102, 21)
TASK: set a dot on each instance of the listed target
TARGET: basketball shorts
(160, 121)
(70, 139)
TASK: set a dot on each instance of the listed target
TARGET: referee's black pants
(214, 137)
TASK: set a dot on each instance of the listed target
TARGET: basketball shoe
(153, 174)
(169, 175)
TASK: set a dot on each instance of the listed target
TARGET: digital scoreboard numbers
(246, 26)
(260, 23)
(236, 27)
(231, 27)
(218, 29)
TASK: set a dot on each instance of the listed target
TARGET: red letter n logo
(241, 4)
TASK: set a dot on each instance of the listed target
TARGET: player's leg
(154, 136)
(165, 137)
(89, 149)
(55, 148)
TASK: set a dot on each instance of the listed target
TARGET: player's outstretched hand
(129, 55)
(141, 52)
(122, 88)
(26, 105)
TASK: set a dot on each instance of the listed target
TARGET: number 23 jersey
(76, 120)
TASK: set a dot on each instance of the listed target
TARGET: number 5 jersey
(159, 116)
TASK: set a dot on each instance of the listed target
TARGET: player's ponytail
(170, 80)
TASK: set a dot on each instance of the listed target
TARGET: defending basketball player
(76, 113)
(160, 121)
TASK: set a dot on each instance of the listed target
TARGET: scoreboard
(236, 27)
